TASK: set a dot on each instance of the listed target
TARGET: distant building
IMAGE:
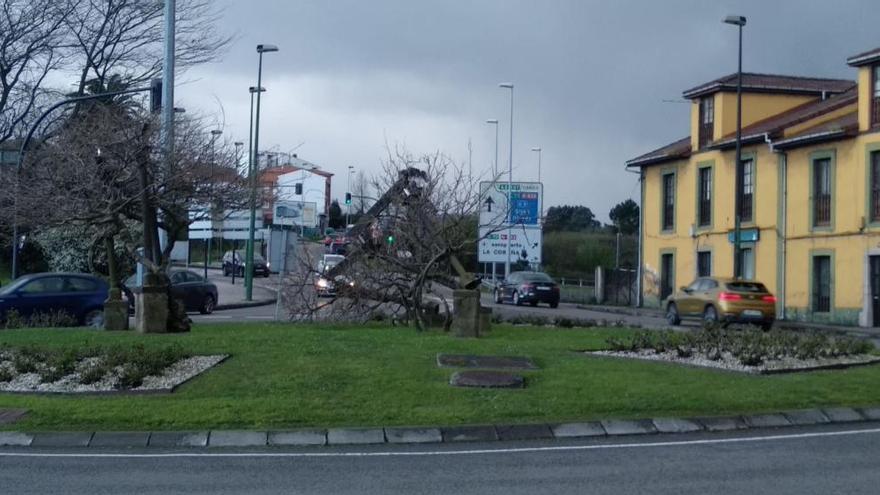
(810, 198)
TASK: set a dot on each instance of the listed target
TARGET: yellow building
(811, 194)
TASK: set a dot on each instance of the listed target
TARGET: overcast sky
(591, 77)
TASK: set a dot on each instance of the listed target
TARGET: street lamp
(249, 255)
(348, 190)
(538, 149)
(509, 179)
(739, 21)
(214, 135)
(495, 166)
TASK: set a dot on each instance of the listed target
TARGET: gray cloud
(590, 76)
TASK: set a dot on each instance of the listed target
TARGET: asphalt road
(790, 461)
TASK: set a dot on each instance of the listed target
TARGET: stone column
(151, 307)
(466, 313)
(115, 311)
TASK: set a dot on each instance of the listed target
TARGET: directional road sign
(525, 245)
(526, 201)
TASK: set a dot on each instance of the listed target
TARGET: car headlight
(268, 264)
(322, 283)
(351, 284)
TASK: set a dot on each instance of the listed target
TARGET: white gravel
(731, 363)
(173, 376)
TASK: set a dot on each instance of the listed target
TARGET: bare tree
(402, 259)
(125, 38)
(31, 47)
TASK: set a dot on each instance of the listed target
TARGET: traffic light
(155, 95)
(298, 188)
(348, 198)
(390, 239)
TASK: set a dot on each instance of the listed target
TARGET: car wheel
(767, 326)
(672, 316)
(497, 296)
(710, 315)
(554, 305)
(241, 272)
(266, 275)
(533, 303)
(207, 305)
(516, 300)
(226, 272)
(94, 319)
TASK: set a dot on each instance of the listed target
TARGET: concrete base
(115, 311)
(151, 309)
(466, 313)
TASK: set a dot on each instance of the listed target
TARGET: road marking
(259, 317)
(214, 317)
(519, 450)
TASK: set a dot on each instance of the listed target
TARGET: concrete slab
(298, 437)
(179, 439)
(676, 425)
(487, 379)
(15, 438)
(870, 413)
(469, 434)
(843, 415)
(577, 430)
(237, 438)
(524, 432)
(120, 439)
(61, 439)
(723, 423)
(485, 362)
(413, 435)
(629, 427)
(9, 416)
(355, 436)
(807, 417)
(766, 420)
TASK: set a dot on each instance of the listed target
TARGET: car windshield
(536, 277)
(746, 287)
(8, 289)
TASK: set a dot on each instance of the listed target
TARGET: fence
(581, 290)
(619, 286)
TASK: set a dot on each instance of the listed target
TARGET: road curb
(314, 437)
(249, 304)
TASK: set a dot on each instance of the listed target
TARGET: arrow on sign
(489, 203)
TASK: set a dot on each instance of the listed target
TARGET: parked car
(196, 293)
(324, 286)
(261, 266)
(527, 287)
(723, 300)
(79, 295)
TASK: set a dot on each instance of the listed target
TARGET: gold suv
(722, 300)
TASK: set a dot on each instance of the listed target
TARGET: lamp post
(249, 255)
(348, 190)
(509, 179)
(495, 165)
(538, 149)
(739, 21)
(214, 135)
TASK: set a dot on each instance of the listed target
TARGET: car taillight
(727, 296)
(555, 288)
(769, 299)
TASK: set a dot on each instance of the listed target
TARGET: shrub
(93, 373)
(6, 375)
(59, 365)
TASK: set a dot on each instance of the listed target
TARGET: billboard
(295, 213)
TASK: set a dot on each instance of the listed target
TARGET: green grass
(294, 376)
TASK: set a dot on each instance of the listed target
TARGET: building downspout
(782, 230)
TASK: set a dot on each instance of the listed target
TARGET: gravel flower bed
(750, 350)
(75, 371)
(728, 361)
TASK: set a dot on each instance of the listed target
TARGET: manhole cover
(487, 379)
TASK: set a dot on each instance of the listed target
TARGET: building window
(704, 213)
(748, 190)
(875, 101)
(668, 201)
(747, 262)
(822, 192)
(875, 186)
(821, 284)
(707, 120)
(704, 264)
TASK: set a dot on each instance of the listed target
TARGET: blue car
(79, 295)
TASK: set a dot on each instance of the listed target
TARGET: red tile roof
(864, 58)
(772, 83)
(841, 127)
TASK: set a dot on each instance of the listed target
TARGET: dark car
(79, 295)
(235, 261)
(196, 293)
(528, 287)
